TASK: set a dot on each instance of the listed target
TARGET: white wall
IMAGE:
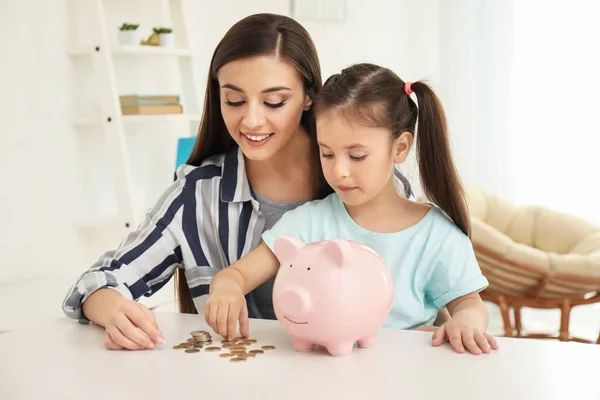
(37, 157)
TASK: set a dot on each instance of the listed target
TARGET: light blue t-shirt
(431, 263)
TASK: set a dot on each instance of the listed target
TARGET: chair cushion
(518, 245)
(536, 226)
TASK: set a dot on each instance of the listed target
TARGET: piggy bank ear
(287, 247)
(339, 251)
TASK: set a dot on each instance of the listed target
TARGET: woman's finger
(131, 331)
(119, 338)
(150, 315)
(110, 344)
(148, 326)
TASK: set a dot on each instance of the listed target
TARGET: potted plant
(128, 34)
(165, 36)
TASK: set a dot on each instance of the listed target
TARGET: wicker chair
(534, 257)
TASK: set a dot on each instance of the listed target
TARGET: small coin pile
(236, 350)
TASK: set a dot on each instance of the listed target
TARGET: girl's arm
(226, 303)
(467, 327)
(470, 310)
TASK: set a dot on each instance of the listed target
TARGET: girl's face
(262, 100)
(358, 161)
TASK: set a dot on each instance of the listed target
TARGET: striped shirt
(205, 221)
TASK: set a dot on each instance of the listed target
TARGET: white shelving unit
(103, 69)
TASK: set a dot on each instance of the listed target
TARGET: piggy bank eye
(290, 265)
(308, 268)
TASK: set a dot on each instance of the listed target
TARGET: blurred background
(519, 81)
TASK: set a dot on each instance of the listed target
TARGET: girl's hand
(461, 335)
(132, 326)
(224, 308)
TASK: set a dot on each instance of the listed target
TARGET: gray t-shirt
(272, 211)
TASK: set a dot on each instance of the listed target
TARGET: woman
(252, 162)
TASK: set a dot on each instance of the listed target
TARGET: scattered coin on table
(238, 350)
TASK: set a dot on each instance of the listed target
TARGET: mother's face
(262, 100)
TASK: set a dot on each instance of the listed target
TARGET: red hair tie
(407, 88)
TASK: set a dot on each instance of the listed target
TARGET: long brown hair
(255, 35)
(375, 96)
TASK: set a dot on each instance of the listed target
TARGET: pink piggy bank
(332, 293)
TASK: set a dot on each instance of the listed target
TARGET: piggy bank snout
(295, 302)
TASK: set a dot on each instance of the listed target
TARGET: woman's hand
(224, 308)
(132, 326)
(128, 324)
(461, 335)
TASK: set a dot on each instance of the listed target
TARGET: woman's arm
(107, 293)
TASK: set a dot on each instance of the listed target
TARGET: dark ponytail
(439, 176)
(362, 88)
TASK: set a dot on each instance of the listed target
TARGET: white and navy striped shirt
(206, 220)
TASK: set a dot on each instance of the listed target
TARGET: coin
(236, 347)
(211, 349)
(238, 359)
(238, 351)
(199, 333)
(226, 355)
(226, 345)
(246, 355)
(251, 341)
(226, 341)
(256, 352)
(179, 347)
(268, 347)
(192, 350)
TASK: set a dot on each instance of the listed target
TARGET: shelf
(134, 50)
(140, 119)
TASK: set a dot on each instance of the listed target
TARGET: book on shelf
(129, 99)
(139, 109)
(137, 104)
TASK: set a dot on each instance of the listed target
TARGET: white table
(66, 360)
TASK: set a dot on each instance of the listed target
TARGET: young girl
(366, 123)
